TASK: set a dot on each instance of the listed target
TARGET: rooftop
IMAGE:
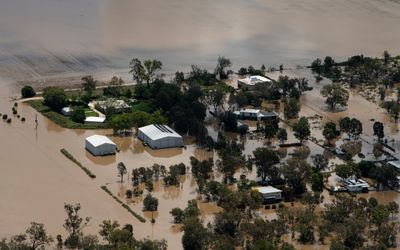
(95, 119)
(156, 131)
(395, 164)
(253, 80)
(97, 140)
(268, 190)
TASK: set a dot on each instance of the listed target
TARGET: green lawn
(61, 120)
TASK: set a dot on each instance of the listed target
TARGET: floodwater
(56, 41)
(49, 42)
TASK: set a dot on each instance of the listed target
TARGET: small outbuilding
(100, 145)
(270, 194)
(66, 111)
(160, 136)
(94, 120)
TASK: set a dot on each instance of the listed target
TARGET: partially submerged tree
(379, 130)
(301, 129)
(335, 95)
(27, 91)
(121, 170)
(74, 225)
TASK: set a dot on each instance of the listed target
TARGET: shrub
(9, 120)
(267, 207)
(274, 206)
(137, 216)
(5, 117)
(14, 111)
(15, 104)
(69, 156)
(78, 115)
(27, 91)
(22, 119)
(129, 194)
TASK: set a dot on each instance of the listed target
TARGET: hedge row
(69, 156)
(140, 218)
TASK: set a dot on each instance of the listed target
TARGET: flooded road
(59, 40)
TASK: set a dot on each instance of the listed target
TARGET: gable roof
(97, 140)
(156, 131)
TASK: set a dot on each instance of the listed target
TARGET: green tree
(55, 98)
(346, 170)
(352, 127)
(265, 159)
(222, 64)
(89, 84)
(145, 71)
(292, 108)
(328, 63)
(282, 135)
(378, 130)
(121, 170)
(78, 115)
(107, 229)
(195, 235)
(320, 162)
(270, 130)
(74, 225)
(38, 236)
(316, 66)
(335, 95)
(317, 182)
(301, 129)
(330, 132)
(122, 122)
(27, 91)
(386, 57)
(150, 203)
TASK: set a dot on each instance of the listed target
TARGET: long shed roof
(156, 131)
(97, 140)
(268, 190)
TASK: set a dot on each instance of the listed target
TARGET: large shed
(100, 145)
(160, 136)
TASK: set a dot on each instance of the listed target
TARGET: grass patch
(60, 119)
(137, 216)
(69, 156)
(144, 106)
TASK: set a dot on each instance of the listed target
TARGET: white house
(100, 145)
(160, 136)
(250, 82)
(94, 119)
(269, 193)
(356, 185)
(255, 114)
(66, 111)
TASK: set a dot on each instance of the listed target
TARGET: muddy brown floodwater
(46, 42)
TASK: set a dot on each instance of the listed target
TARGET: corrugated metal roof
(97, 140)
(267, 190)
(156, 131)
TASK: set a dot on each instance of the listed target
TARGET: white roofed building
(255, 114)
(100, 145)
(269, 193)
(94, 119)
(250, 82)
(160, 136)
